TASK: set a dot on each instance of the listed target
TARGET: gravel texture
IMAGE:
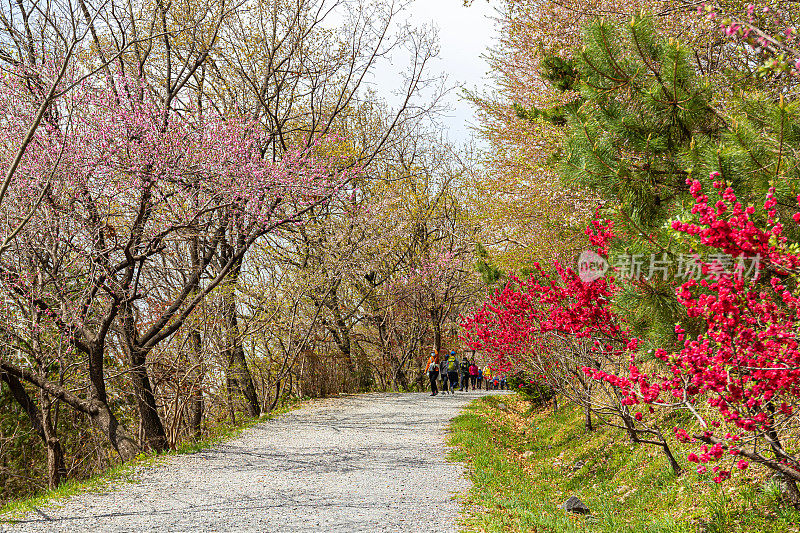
(373, 462)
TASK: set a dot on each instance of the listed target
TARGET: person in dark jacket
(464, 375)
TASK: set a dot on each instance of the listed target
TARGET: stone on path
(574, 505)
(578, 465)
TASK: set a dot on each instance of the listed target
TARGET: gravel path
(371, 462)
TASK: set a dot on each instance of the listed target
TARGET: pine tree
(645, 121)
(490, 274)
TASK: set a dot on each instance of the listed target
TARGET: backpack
(452, 365)
(464, 367)
(434, 368)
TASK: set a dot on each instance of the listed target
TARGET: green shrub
(531, 389)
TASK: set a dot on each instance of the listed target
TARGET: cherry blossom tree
(129, 190)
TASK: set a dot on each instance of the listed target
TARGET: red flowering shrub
(564, 329)
(746, 365)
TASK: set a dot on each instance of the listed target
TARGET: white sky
(465, 34)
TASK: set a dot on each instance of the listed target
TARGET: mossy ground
(628, 487)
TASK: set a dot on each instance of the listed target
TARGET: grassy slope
(127, 472)
(628, 488)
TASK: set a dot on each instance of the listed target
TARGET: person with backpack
(487, 375)
(433, 372)
(473, 374)
(452, 371)
(480, 378)
(443, 372)
(464, 375)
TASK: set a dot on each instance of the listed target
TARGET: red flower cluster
(513, 325)
(746, 364)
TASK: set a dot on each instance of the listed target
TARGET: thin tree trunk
(400, 377)
(777, 448)
(277, 395)
(673, 463)
(42, 424)
(633, 433)
(231, 407)
(56, 470)
(238, 377)
(341, 336)
(588, 414)
(437, 331)
(240, 382)
(196, 403)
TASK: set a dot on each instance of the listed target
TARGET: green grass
(127, 472)
(628, 488)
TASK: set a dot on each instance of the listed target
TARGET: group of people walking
(452, 373)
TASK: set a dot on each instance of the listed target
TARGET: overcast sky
(465, 33)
